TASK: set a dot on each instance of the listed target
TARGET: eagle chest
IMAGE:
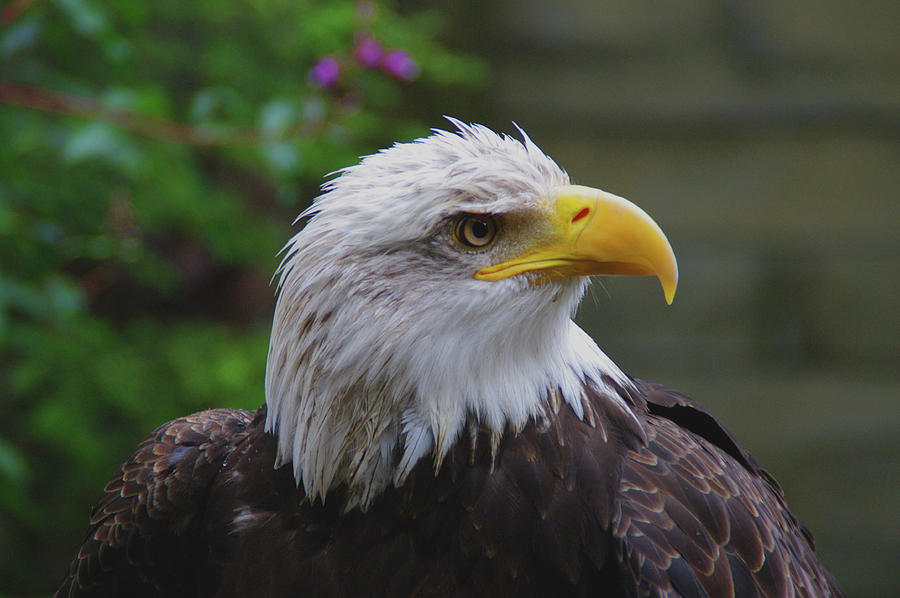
(533, 517)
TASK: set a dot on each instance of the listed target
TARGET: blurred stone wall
(763, 137)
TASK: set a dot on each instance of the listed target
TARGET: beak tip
(669, 286)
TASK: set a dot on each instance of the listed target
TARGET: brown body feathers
(668, 505)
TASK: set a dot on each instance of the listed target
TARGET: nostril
(583, 213)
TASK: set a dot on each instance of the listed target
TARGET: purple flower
(400, 64)
(325, 72)
(368, 52)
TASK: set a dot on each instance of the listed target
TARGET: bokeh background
(154, 154)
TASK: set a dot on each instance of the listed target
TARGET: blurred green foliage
(152, 157)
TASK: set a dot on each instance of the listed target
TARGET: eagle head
(434, 284)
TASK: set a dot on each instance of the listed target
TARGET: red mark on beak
(583, 213)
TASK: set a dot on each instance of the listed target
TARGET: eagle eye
(475, 231)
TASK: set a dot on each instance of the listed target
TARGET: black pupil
(480, 229)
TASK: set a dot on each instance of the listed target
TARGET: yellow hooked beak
(595, 232)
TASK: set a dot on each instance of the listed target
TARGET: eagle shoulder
(144, 527)
(697, 516)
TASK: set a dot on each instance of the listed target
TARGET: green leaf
(19, 36)
(13, 467)
(277, 116)
(88, 19)
(102, 142)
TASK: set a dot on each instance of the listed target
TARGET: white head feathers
(383, 343)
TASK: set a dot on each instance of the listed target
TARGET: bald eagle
(435, 424)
